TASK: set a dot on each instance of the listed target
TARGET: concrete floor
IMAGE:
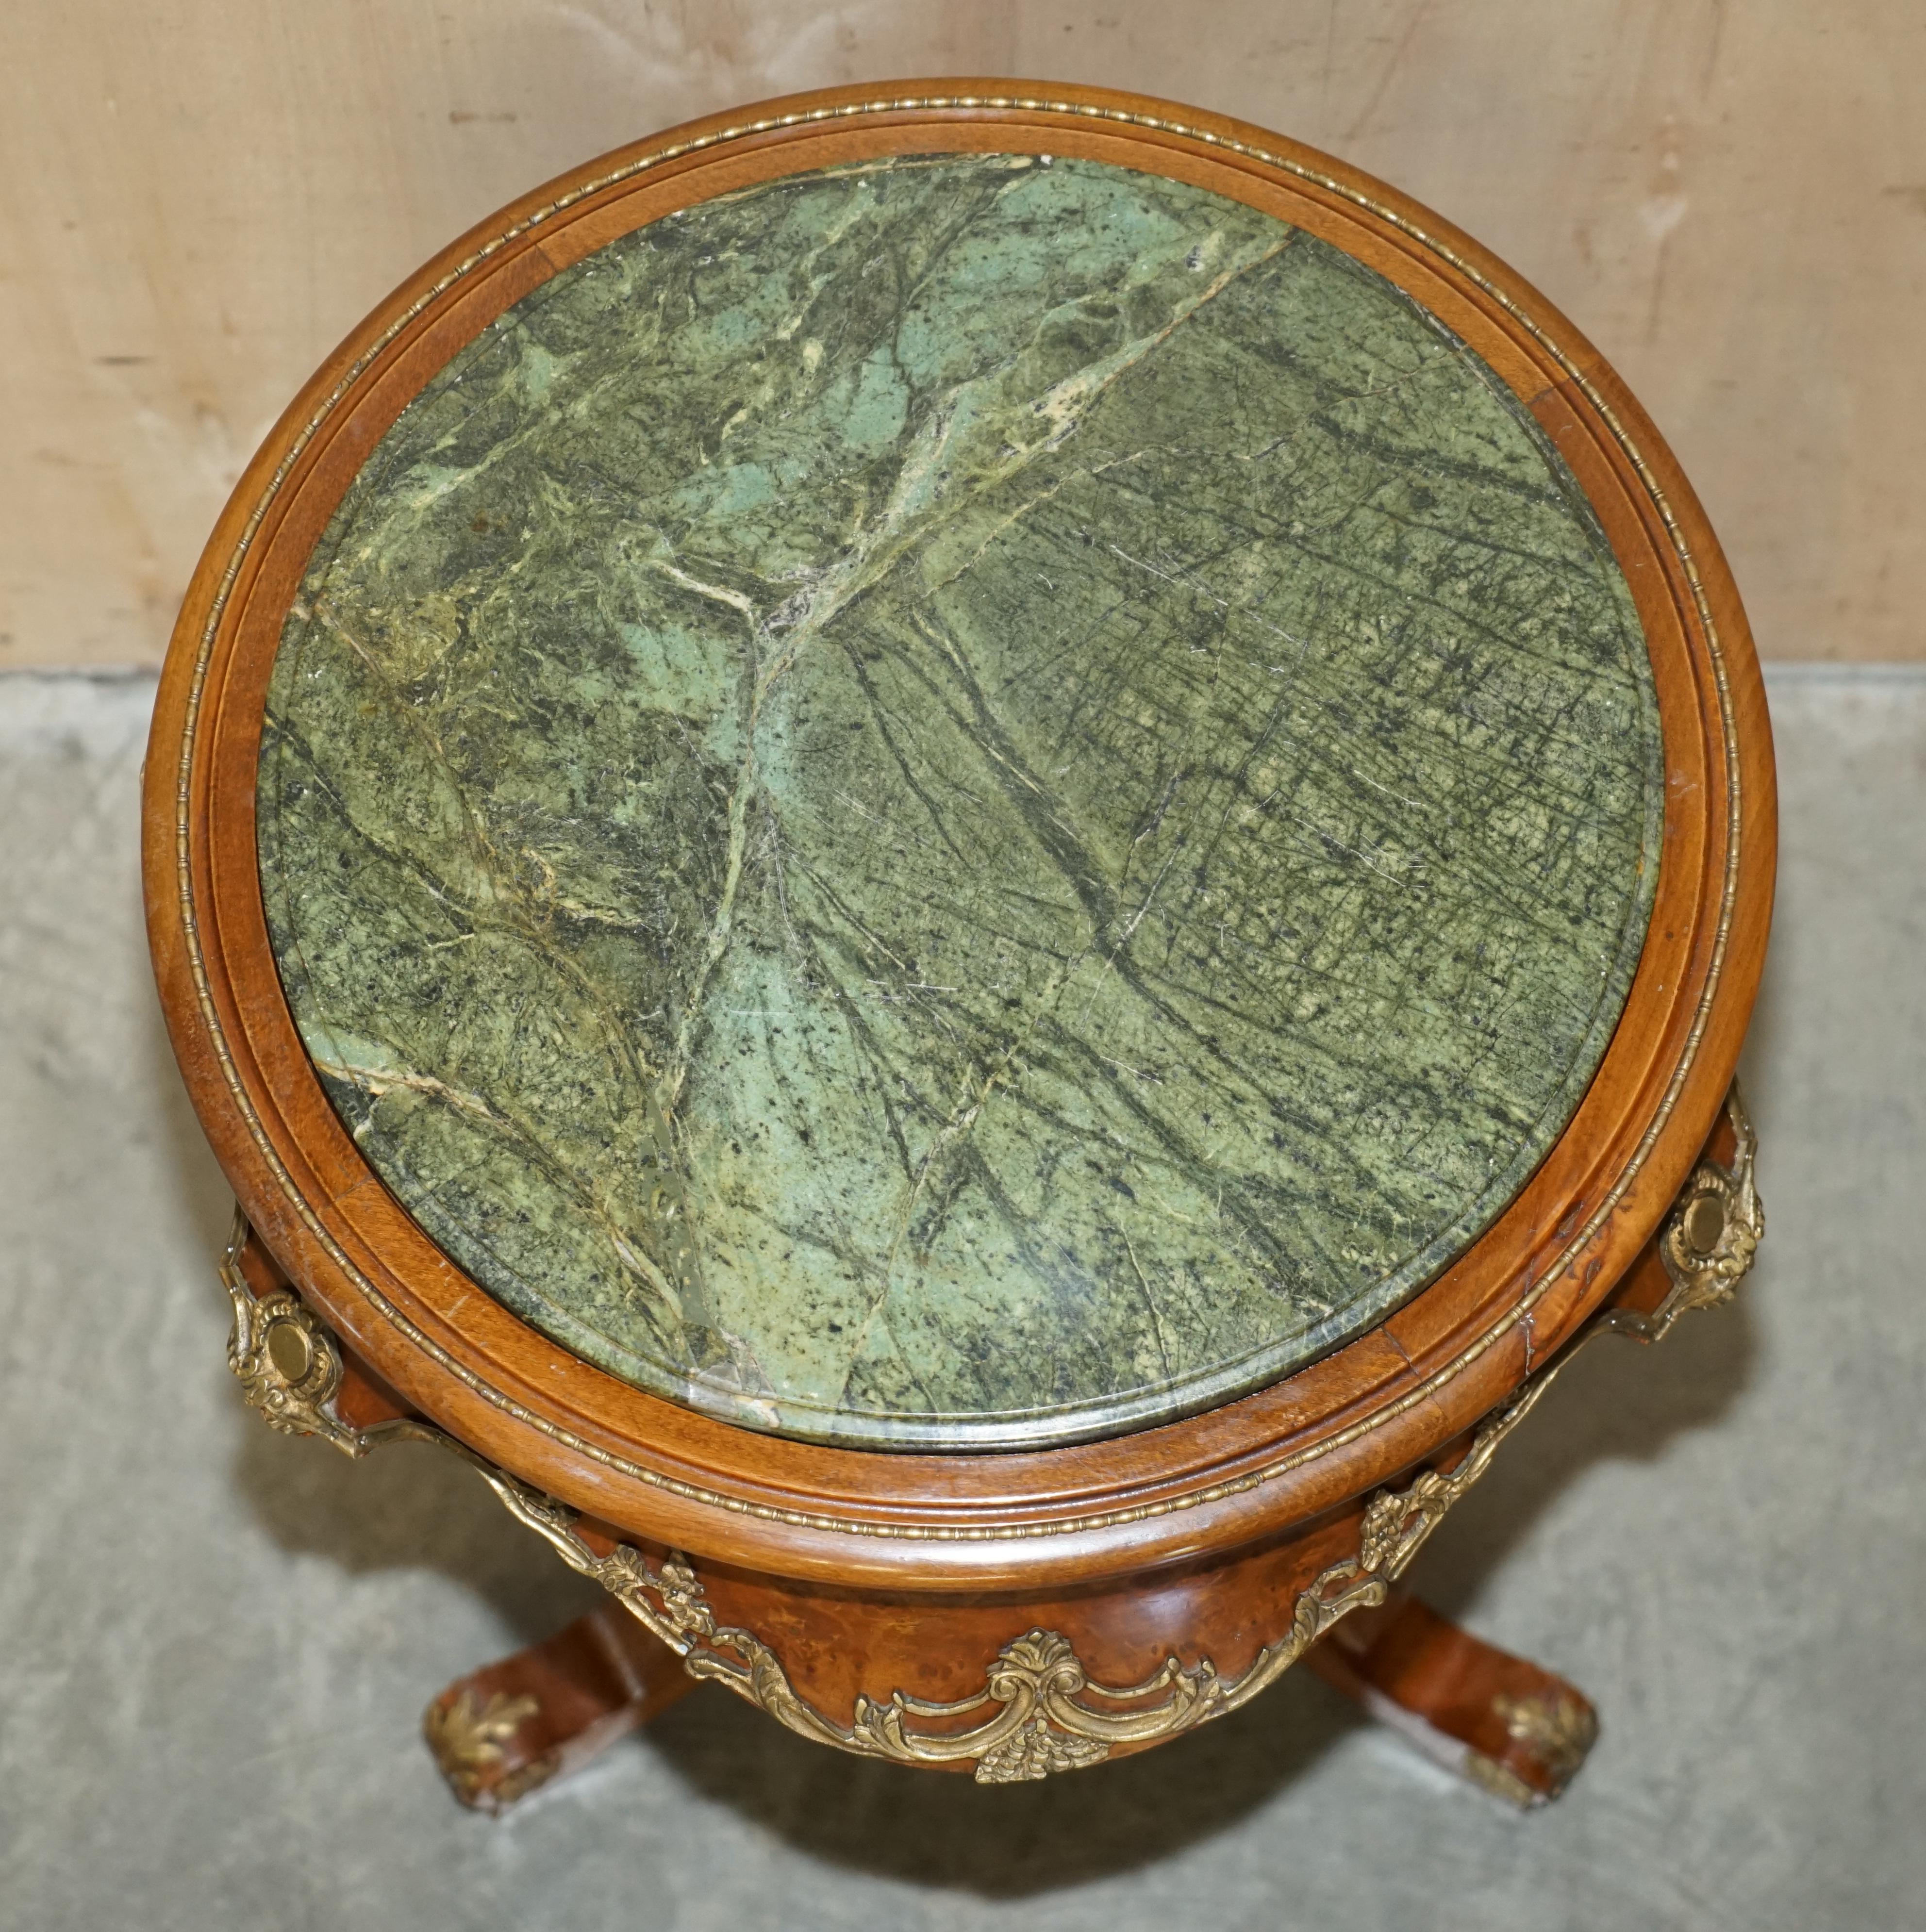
(215, 1642)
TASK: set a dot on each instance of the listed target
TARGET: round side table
(966, 861)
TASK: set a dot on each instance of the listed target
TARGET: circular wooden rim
(1023, 1518)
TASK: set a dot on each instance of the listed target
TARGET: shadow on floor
(194, 1190)
(999, 1841)
(408, 1506)
(1617, 1401)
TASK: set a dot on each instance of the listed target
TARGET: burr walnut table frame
(1023, 1612)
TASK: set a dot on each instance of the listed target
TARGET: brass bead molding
(1039, 1710)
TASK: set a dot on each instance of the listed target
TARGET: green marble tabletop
(967, 802)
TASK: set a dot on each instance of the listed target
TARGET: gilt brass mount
(1710, 1238)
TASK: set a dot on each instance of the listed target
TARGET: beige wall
(199, 197)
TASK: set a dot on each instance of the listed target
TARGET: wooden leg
(511, 1727)
(1517, 1731)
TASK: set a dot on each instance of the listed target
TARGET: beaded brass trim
(1519, 1312)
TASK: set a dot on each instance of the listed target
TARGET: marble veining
(964, 803)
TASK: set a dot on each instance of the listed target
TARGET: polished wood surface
(870, 1572)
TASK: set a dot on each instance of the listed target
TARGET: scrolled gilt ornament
(1039, 1710)
(1558, 1731)
(289, 1365)
(1499, 1781)
(1397, 1523)
(1710, 1238)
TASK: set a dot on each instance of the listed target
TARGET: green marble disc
(960, 803)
